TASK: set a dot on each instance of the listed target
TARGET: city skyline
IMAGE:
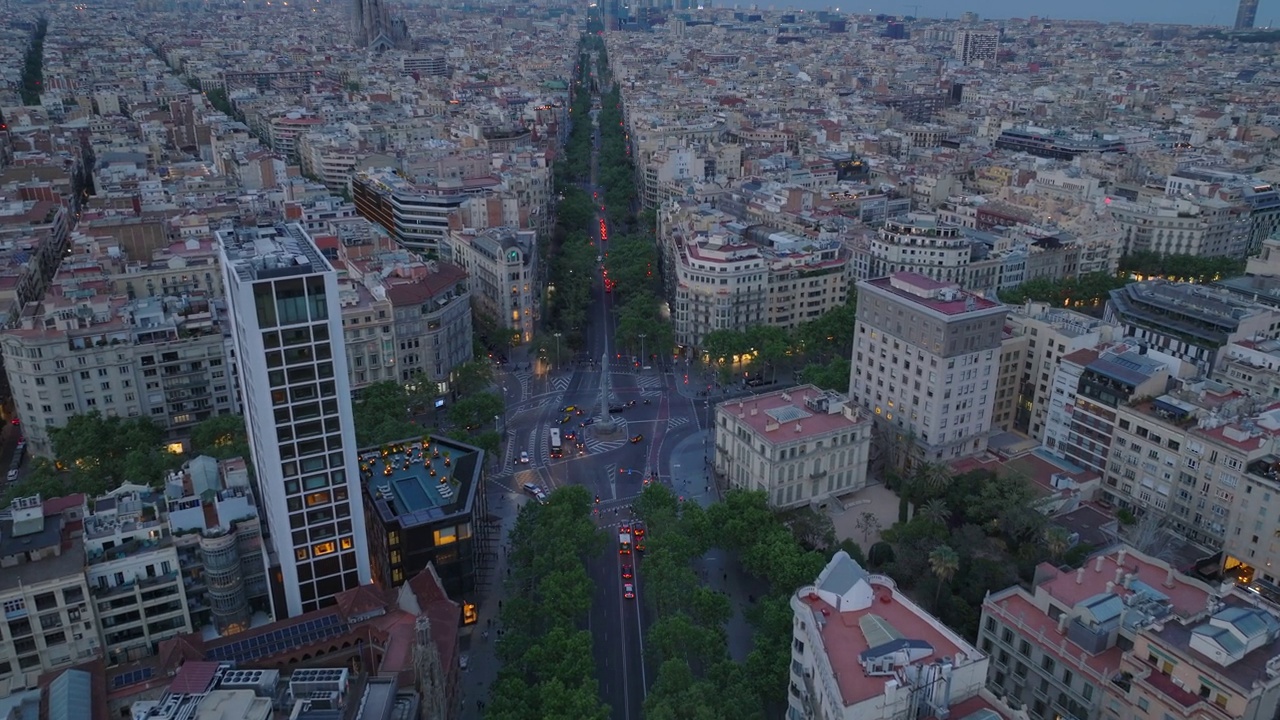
(1177, 12)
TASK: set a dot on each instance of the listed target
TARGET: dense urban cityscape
(637, 361)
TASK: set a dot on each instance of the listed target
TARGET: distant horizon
(1175, 12)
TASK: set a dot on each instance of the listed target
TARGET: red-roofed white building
(861, 650)
(926, 360)
(801, 446)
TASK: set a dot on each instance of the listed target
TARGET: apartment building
(214, 521)
(132, 568)
(433, 331)
(862, 650)
(976, 46)
(1253, 367)
(730, 280)
(802, 447)
(502, 266)
(917, 243)
(286, 325)
(84, 348)
(1006, 401)
(48, 621)
(1051, 333)
(415, 214)
(722, 283)
(925, 363)
(1191, 322)
(1179, 225)
(1127, 635)
(1089, 387)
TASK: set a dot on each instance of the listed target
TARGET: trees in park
(93, 454)
(221, 437)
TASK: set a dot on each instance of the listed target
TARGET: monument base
(607, 429)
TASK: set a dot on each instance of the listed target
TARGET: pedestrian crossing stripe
(604, 445)
(676, 422)
(650, 381)
(561, 383)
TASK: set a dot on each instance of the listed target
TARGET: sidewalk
(482, 666)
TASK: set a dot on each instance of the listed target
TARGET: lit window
(393, 538)
(446, 536)
(300, 553)
(346, 543)
(318, 498)
(325, 548)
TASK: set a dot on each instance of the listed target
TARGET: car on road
(624, 528)
(629, 591)
(581, 411)
(13, 475)
(524, 457)
(636, 438)
(538, 493)
(582, 448)
(565, 419)
(631, 403)
(616, 408)
(627, 573)
(569, 408)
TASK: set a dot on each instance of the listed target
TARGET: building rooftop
(262, 253)
(796, 414)
(415, 482)
(863, 618)
(944, 298)
(1244, 672)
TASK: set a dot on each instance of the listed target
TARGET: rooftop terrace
(420, 481)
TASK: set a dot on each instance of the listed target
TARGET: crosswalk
(676, 422)
(598, 446)
(650, 381)
(560, 383)
(524, 378)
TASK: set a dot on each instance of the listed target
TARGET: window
(1024, 648)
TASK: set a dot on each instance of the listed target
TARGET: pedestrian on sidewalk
(486, 634)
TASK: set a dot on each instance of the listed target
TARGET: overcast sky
(1190, 12)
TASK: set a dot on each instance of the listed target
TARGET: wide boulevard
(663, 409)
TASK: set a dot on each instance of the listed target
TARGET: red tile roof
(194, 677)
(844, 640)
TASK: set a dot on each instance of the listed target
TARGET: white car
(524, 458)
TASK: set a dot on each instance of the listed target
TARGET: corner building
(925, 363)
(287, 329)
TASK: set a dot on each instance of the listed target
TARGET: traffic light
(597, 499)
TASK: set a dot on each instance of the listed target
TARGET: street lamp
(644, 359)
(557, 350)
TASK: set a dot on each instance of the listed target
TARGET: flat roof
(69, 563)
(845, 641)
(414, 482)
(788, 409)
(929, 293)
(262, 253)
(1243, 672)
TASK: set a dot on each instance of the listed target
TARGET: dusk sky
(1190, 12)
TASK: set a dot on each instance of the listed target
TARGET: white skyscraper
(282, 298)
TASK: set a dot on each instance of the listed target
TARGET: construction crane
(915, 10)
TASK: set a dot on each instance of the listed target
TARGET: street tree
(381, 415)
(221, 437)
(476, 412)
(471, 377)
(100, 452)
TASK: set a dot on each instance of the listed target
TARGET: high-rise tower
(375, 28)
(1246, 13)
(282, 298)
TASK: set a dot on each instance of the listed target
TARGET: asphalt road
(612, 468)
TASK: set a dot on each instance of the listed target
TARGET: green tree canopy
(221, 437)
(381, 415)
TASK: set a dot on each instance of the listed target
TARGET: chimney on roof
(1110, 586)
(1168, 578)
(1097, 566)
(1120, 557)
(1062, 624)
(1119, 575)
(1128, 581)
(798, 428)
(1080, 576)
(754, 410)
